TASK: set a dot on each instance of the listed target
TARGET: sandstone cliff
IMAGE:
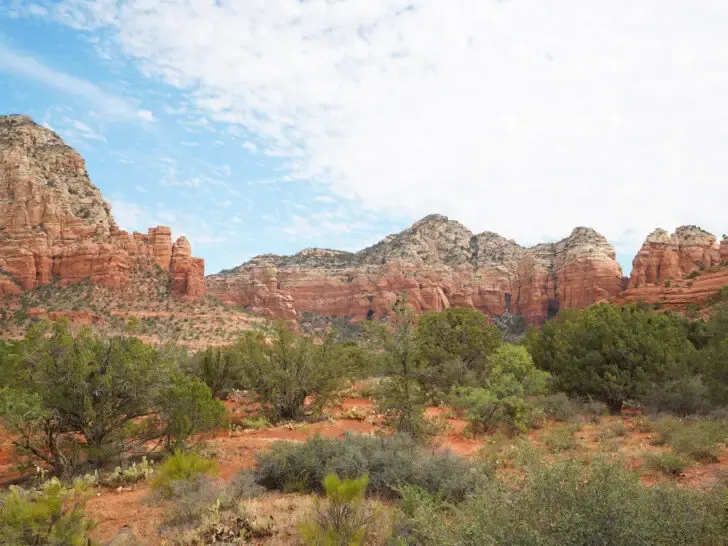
(664, 257)
(439, 263)
(56, 227)
(680, 271)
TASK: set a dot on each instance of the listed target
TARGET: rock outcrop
(666, 257)
(439, 263)
(56, 227)
(685, 270)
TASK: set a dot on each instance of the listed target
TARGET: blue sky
(275, 125)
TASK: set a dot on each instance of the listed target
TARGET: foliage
(289, 369)
(343, 519)
(568, 502)
(51, 515)
(220, 368)
(455, 345)
(400, 397)
(696, 438)
(511, 378)
(390, 462)
(185, 406)
(611, 353)
(77, 397)
(686, 396)
(668, 463)
(181, 466)
(561, 439)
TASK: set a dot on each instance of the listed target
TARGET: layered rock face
(691, 260)
(666, 257)
(56, 227)
(439, 263)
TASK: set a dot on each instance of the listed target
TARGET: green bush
(570, 503)
(52, 515)
(610, 353)
(562, 438)
(558, 406)
(289, 370)
(668, 463)
(685, 396)
(344, 519)
(699, 439)
(220, 368)
(181, 466)
(455, 345)
(390, 462)
(186, 406)
(511, 378)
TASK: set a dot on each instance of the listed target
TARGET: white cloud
(141, 189)
(146, 115)
(111, 105)
(236, 220)
(525, 118)
(324, 199)
(84, 131)
(128, 216)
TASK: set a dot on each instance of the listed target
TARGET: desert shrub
(390, 462)
(610, 353)
(50, 515)
(693, 274)
(181, 466)
(344, 519)
(561, 439)
(291, 369)
(220, 368)
(78, 397)
(401, 398)
(696, 438)
(687, 396)
(558, 406)
(455, 345)
(568, 502)
(668, 463)
(511, 378)
(185, 406)
(615, 430)
(202, 511)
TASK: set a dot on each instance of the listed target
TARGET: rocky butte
(687, 268)
(439, 263)
(56, 227)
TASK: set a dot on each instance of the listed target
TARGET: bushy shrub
(558, 406)
(390, 462)
(699, 439)
(185, 406)
(610, 353)
(220, 368)
(344, 519)
(292, 371)
(181, 466)
(502, 399)
(568, 502)
(686, 396)
(668, 463)
(562, 438)
(51, 515)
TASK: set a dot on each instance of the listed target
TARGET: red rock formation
(678, 271)
(56, 227)
(665, 257)
(439, 263)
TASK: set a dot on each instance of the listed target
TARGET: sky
(256, 126)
